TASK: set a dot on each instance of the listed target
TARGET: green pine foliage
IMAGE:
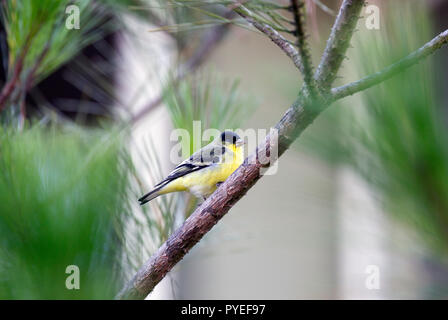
(61, 194)
(215, 102)
(37, 28)
(397, 138)
(403, 133)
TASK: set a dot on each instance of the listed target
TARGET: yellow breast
(203, 182)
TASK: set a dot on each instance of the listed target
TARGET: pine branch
(297, 7)
(296, 119)
(270, 32)
(338, 42)
(9, 86)
(405, 63)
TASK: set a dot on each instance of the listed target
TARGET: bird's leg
(218, 184)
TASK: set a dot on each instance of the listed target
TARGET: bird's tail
(150, 195)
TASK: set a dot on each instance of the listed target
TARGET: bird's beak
(240, 143)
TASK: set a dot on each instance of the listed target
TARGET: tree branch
(390, 71)
(302, 45)
(296, 119)
(10, 85)
(338, 42)
(276, 37)
(208, 43)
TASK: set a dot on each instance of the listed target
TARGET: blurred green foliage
(395, 136)
(213, 101)
(69, 195)
(146, 228)
(39, 26)
(61, 195)
(404, 131)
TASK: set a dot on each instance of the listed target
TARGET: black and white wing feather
(201, 159)
(204, 158)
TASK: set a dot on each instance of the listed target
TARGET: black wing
(199, 160)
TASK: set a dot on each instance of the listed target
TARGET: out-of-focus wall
(144, 59)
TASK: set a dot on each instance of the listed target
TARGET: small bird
(205, 170)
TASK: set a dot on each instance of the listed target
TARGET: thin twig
(273, 34)
(28, 83)
(297, 7)
(32, 74)
(338, 43)
(390, 71)
(9, 86)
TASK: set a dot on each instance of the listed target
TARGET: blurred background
(87, 117)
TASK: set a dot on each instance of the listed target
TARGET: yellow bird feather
(204, 170)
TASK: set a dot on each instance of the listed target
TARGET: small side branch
(338, 42)
(297, 7)
(390, 71)
(10, 85)
(275, 36)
